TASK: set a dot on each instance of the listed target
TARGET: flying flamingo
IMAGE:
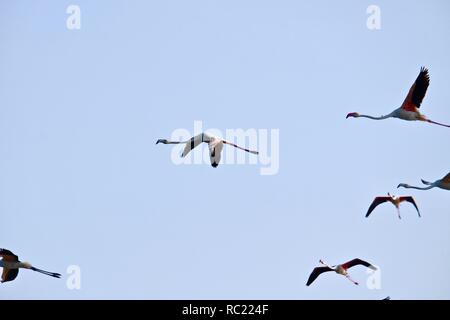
(443, 183)
(339, 269)
(215, 146)
(410, 107)
(394, 200)
(11, 265)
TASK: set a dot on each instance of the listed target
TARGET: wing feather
(8, 255)
(356, 262)
(446, 179)
(9, 274)
(410, 200)
(377, 201)
(194, 142)
(417, 92)
(317, 272)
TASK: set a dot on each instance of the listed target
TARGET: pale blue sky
(83, 183)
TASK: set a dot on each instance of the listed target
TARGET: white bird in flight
(215, 146)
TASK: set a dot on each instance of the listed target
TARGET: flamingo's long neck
(174, 142)
(375, 118)
(204, 137)
(420, 188)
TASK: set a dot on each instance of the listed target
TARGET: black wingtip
(424, 70)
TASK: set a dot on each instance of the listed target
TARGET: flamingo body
(408, 115)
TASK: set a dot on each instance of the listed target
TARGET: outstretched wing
(356, 262)
(215, 151)
(9, 274)
(410, 200)
(417, 92)
(377, 201)
(194, 142)
(317, 272)
(8, 255)
(446, 179)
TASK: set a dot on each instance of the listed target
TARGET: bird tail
(426, 182)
